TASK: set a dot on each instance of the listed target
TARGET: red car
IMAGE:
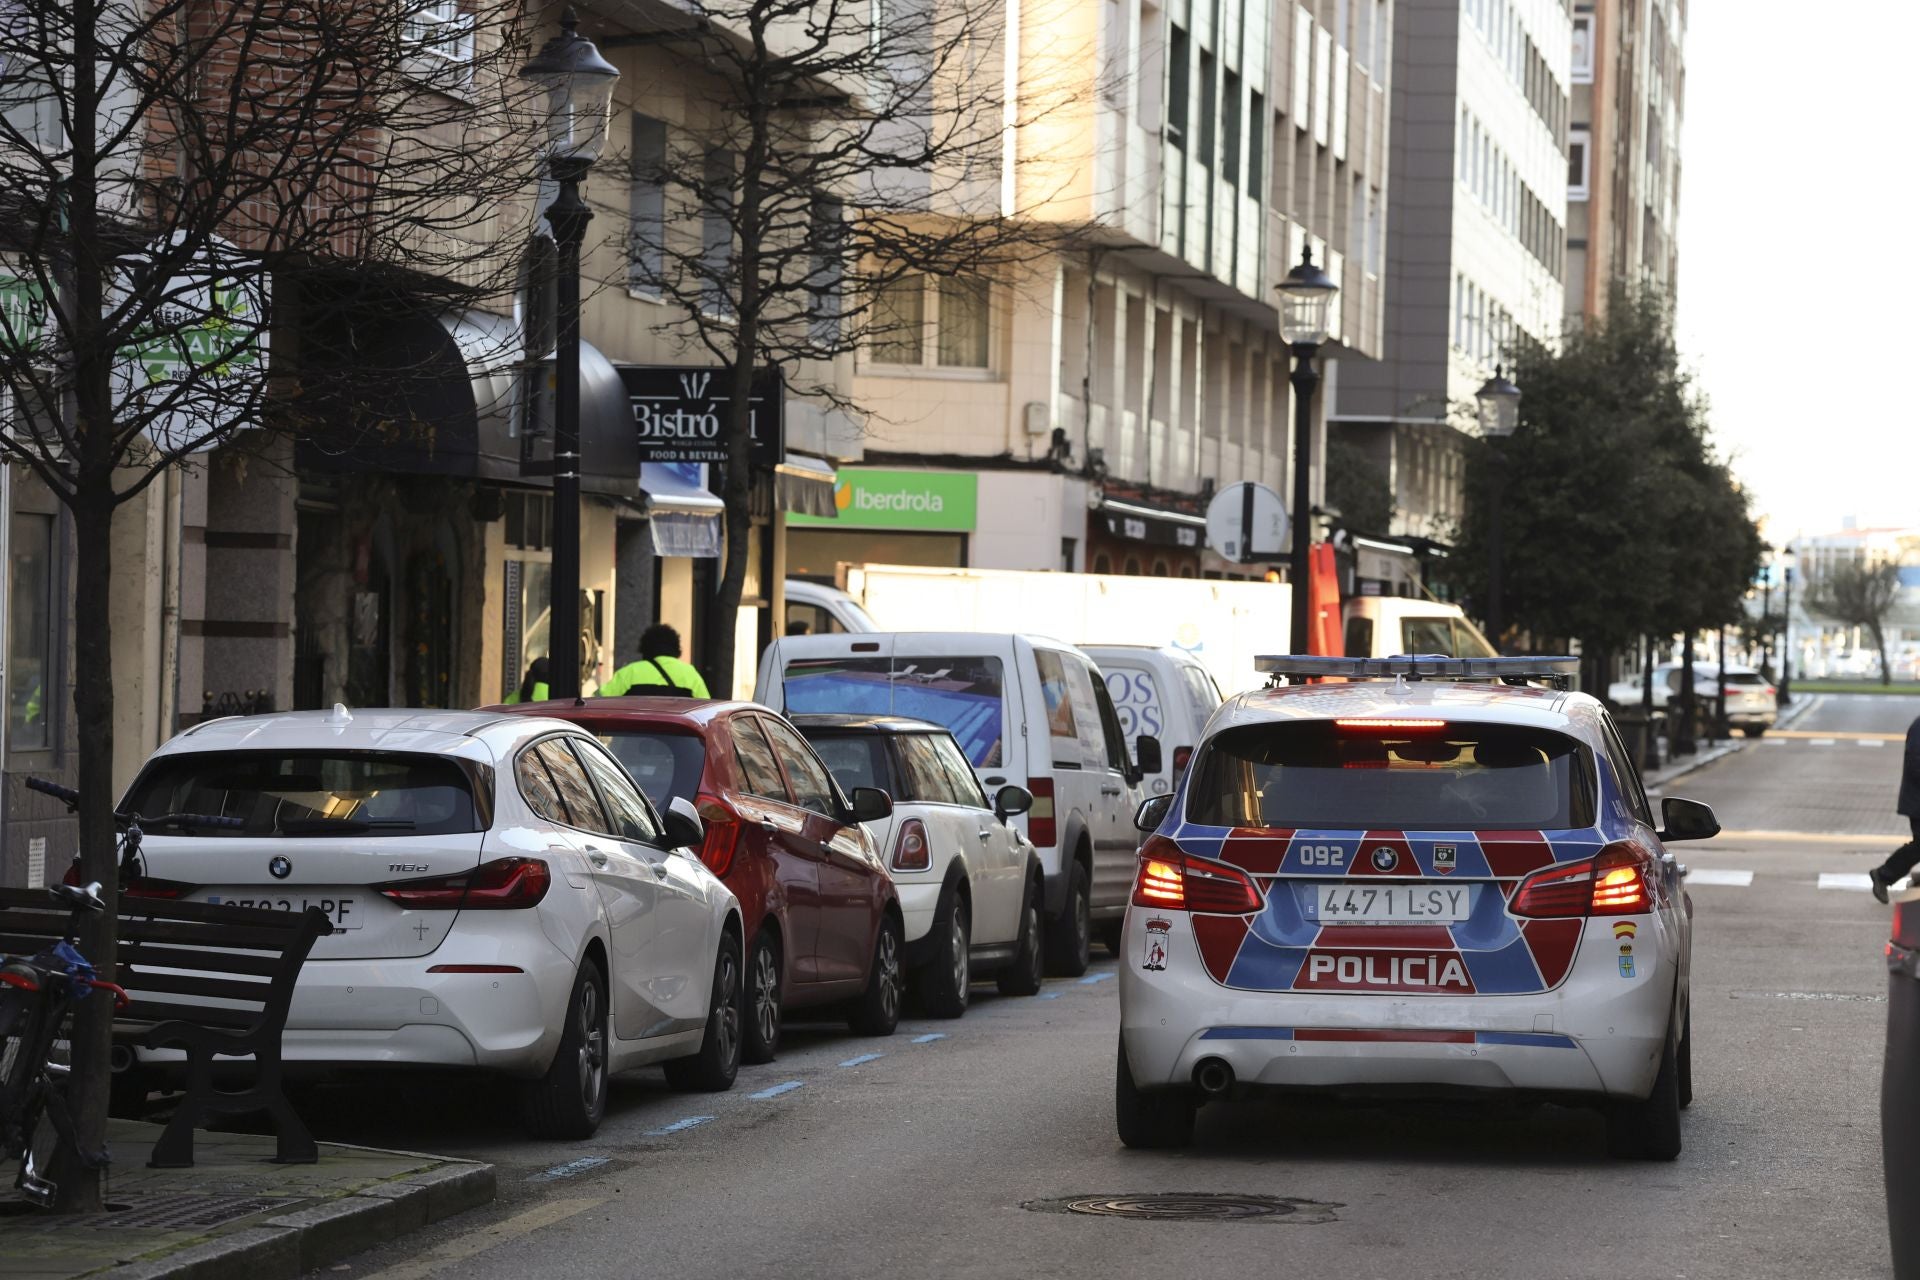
(822, 919)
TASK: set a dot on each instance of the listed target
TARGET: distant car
(822, 920)
(501, 894)
(1410, 887)
(971, 889)
(1752, 701)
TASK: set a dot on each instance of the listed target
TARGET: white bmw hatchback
(1410, 886)
(503, 897)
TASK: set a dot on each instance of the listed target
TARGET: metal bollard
(1900, 1088)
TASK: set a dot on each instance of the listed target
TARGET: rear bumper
(919, 904)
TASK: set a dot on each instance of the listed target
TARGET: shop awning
(804, 486)
(1160, 526)
(683, 516)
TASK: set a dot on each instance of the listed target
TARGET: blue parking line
(1092, 978)
(678, 1126)
(930, 1037)
(865, 1057)
(1048, 995)
(569, 1169)
(776, 1090)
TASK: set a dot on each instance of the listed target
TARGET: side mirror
(1687, 820)
(1010, 800)
(1146, 754)
(682, 824)
(870, 804)
(1152, 813)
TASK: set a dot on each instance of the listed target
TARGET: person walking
(1903, 859)
(534, 687)
(658, 670)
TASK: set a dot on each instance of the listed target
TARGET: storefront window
(30, 624)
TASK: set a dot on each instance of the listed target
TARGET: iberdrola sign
(876, 499)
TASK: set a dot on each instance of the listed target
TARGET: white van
(1165, 692)
(814, 609)
(1026, 710)
(1384, 626)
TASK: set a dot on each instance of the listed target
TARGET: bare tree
(1858, 594)
(184, 180)
(855, 151)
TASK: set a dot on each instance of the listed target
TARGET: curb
(289, 1246)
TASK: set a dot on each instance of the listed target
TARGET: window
(900, 320)
(716, 235)
(923, 777)
(1257, 147)
(1230, 109)
(537, 787)
(30, 670)
(437, 42)
(631, 818)
(1061, 725)
(647, 206)
(962, 321)
(1302, 65)
(963, 784)
(828, 218)
(1116, 741)
(666, 765)
(1179, 87)
(581, 806)
(855, 760)
(962, 692)
(1577, 142)
(1209, 108)
(757, 766)
(361, 794)
(812, 788)
(952, 317)
(1583, 48)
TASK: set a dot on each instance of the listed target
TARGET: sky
(1799, 278)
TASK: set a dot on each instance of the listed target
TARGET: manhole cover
(1192, 1206)
(181, 1211)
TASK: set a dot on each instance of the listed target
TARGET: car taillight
(1180, 757)
(1772, 692)
(505, 884)
(1611, 883)
(1732, 690)
(1040, 825)
(910, 852)
(1174, 880)
(723, 834)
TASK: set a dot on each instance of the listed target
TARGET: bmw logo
(1384, 859)
(281, 867)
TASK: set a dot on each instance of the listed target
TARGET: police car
(1439, 876)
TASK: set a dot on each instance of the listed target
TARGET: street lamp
(1499, 404)
(1786, 633)
(1306, 310)
(1766, 609)
(578, 83)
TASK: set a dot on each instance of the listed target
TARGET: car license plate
(343, 911)
(1392, 903)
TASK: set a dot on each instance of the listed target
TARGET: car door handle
(1110, 791)
(986, 834)
(769, 825)
(597, 858)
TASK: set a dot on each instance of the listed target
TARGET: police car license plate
(1393, 903)
(344, 912)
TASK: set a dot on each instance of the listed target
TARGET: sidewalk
(235, 1213)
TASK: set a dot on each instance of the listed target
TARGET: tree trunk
(1646, 684)
(1683, 743)
(1880, 646)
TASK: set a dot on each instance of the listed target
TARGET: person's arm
(617, 683)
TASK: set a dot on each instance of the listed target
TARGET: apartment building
(1623, 148)
(1076, 413)
(1827, 646)
(1476, 241)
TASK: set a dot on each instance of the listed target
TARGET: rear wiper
(342, 826)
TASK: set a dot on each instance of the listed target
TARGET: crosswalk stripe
(1709, 875)
(1859, 881)
(1869, 742)
(1820, 742)
(1773, 742)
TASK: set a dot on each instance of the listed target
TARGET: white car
(1410, 886)
(503, 897)
(970, 884)
(1752, 700)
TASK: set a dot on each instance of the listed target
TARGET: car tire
(1649, 1130)
(1110, 932)
(877, 1011)
(1029, 969)
(1685, 1061)
(1753, 730)
(1070, 938)
(1150, 1119)
(760, 1019)
(712, 1070)
(569, 1101)
(946, 980)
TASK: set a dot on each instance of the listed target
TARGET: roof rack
(1423, 666)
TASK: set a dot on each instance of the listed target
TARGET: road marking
(865, 1057)
(1836, 996)
(678, 1126)
(478, 1241)
(569, 1169)
(930, 1037)
(1864, 840)
(1827, 735)
(1708, 875)
(1850, 880)
(1820, 742)
(1773, 742)
(1048, 995)
(1869, 742)
(1092, 978)
(775, 1091)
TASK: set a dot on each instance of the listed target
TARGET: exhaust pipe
(120, 1059)
(1213, 1076)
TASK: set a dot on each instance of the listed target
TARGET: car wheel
(1649, 1130)
(1029, 967)
(1685, 1060)
(945, 980)
(1070, 939)
(1149, 1119)
(570, 1099)
(877, 1012)
(760, 1039)
(713, 1068)
(1110, 933)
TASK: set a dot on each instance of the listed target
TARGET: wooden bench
(211, 979)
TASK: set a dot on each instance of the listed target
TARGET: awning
(1156, 525)
(683, 516)
(804, 486)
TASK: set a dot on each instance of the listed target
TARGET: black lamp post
(578, 84)
(1786, 634)
(1306, 309)
(1499, 404)
(1766, 609)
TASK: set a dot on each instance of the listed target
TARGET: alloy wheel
(959, 946)
(726, 1013)
(593, 1046)
(889, 963)
(766, 994)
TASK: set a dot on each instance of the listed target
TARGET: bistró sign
(680, 414)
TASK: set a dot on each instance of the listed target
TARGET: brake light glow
(722, 840)
(1386, 724)
(505, 884)
(1040, 825)
(1771, 691)
(1611, 883)
(910, 851)
(1175, 880)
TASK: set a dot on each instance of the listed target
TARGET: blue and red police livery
(1424, 879)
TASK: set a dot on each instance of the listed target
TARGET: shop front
(887, 517)
(1141, 538)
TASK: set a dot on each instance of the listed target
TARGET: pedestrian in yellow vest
(658, 671)
(534, 687)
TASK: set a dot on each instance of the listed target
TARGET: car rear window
(1458, 777)
(854, 759)
(666, 765)
(311, 793)
(965, 694)
(1745, 677)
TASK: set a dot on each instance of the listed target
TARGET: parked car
(822, 920)
(502, 897)
(1753, 702)
(1024, 709)
(1166, 693)
(970, 884)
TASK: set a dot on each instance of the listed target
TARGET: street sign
(679, 414)
(1244, 506)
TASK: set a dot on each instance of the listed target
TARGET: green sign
(900, 500)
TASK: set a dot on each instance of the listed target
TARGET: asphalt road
(914, 1155)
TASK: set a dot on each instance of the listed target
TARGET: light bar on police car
(1427, 666)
